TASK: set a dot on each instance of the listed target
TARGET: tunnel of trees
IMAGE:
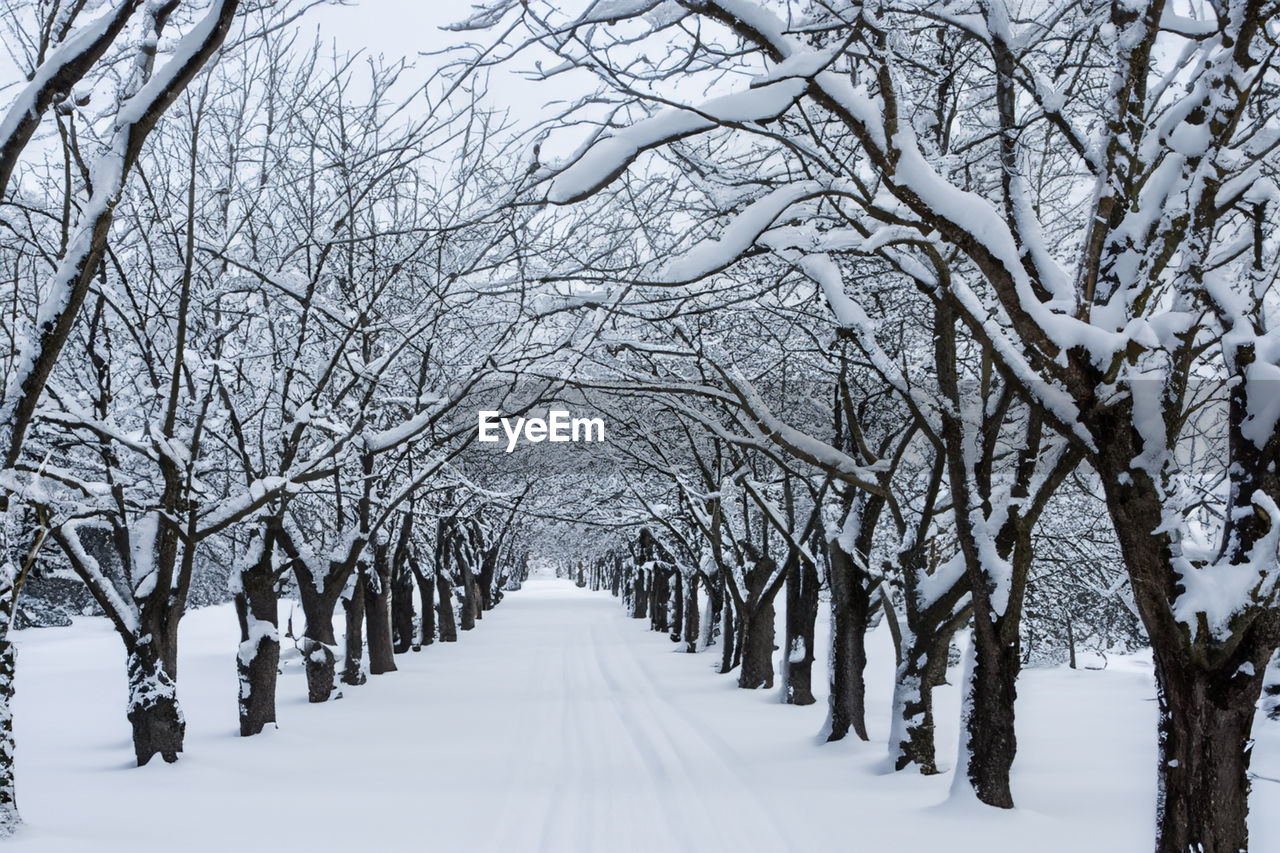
(952, 320)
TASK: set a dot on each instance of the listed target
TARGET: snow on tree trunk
(319, 647)
(444, 610)
(691, 614)
(675, 606)
(354, 671)
(639, 594)
(320, 663)
(934, 612)
(258, 657)
(9, 818)
(850, 613)
(802, 614)
(728, 638)
(911, 739)
(153, 711)
(659, 597)
(989, 742)
(757, 628)
(1205, 718)
(377, 602)
(402, 608)
(709, 628)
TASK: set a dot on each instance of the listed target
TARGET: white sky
(392, 27)
(409, 29)
(399, 28)
(396, 28)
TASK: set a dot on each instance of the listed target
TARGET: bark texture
(258, 659)
(802, 614)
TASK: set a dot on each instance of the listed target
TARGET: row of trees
(257, 291)
(1043, 238)
(956, 314)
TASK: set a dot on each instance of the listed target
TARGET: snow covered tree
(1112, 235)
(68, 49)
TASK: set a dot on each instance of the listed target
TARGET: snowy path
(558, 725)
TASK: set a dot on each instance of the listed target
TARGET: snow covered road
(559, 725)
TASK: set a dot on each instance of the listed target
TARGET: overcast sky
(396, 28)
(392, 27)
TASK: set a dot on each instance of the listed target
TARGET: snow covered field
(560, 725)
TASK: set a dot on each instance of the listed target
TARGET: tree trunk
(427, 592)
(377, 602)
(659, 594)
(1206, 720)
(640, 599)
(378, 611)
(692, 615)
(353, 671)
(402, 577)
(802, 614)
(470, 604)
(677, 606)
(757, 648)
(444, 610)
(488, 567)
(158, 725)
(727, 634)
(755, 627)
(850, 610)
(992, 690)
(9, 818)
(402, 608)
(1208, 682)
(923, 667)
(258, 658)
(319, 647)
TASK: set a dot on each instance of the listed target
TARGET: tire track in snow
(600, 758)
(619, 777)
(725, 753)
(687, 756)
(536, 747)
(563, 826)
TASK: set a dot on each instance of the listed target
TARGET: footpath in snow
(560, 725)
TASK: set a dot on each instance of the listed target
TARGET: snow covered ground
(559, 725)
